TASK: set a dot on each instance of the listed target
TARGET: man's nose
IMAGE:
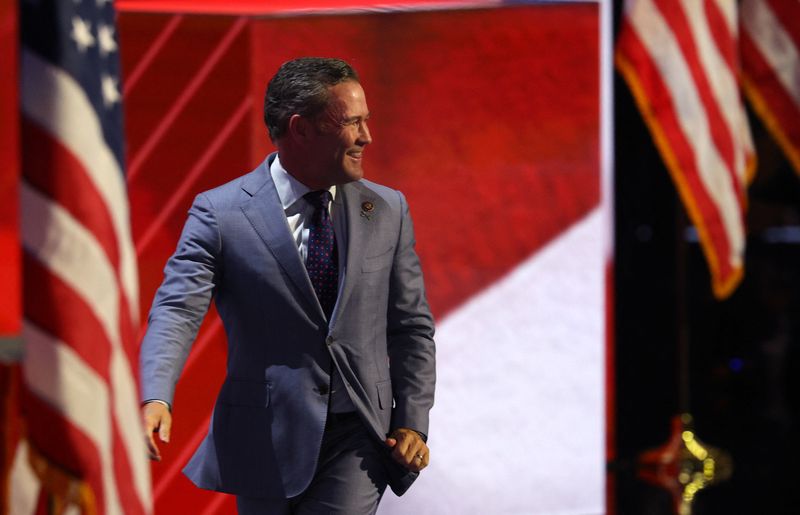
(364, 136)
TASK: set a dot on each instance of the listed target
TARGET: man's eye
(357, 123)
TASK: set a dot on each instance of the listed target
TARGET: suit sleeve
(410, 335)
(181, 302)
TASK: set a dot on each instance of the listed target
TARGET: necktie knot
(319, 199)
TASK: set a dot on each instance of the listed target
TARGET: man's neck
(296, 168)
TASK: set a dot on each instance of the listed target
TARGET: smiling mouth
(355, 155)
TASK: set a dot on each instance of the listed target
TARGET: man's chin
(347, 174)
(354, 174)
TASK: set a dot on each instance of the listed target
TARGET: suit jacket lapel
(360, 227)
(264, 211)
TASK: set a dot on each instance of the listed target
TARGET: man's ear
(299, 128)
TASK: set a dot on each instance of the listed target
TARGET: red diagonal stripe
(177, 197)
(177, 464)
(188, 449)
(216, 504)
(183, 99)
(163, 36)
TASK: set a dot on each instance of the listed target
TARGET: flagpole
(681, 312)
(683, 465)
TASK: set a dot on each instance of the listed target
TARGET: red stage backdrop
(488, 120)
(10, 254)
(10, 274)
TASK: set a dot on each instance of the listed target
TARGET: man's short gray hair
(301, 87)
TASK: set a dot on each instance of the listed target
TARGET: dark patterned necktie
(322, 262)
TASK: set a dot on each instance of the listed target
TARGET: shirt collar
(290, 190)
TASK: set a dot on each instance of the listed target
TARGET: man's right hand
(157, 418)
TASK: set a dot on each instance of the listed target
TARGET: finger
(150, 422)
(410, 446)
(401, 449)
(416, 455)
(416, 448)
(164, 428)
(150, 425)
(426, 459)
(420, 461)
(391, 442)
(152, 448)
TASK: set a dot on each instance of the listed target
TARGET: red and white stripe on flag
(680, 60)
(80, 397)
(770, 49)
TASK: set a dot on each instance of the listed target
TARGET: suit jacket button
(329, 340)
(323, 389)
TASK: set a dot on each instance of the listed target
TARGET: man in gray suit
(330, 371)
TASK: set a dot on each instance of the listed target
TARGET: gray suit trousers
(350, 478)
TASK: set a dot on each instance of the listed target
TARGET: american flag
(85, 444)
(770, 46)
(680, 59)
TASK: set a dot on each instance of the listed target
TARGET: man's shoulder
(237, 189)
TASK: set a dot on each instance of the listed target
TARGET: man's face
(340, 136)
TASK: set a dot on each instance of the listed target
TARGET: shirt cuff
(159, 401)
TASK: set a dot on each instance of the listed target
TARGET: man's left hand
(408, 449)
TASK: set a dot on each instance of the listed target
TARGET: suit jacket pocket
(379, 262)
(384, 394)
(242, 392)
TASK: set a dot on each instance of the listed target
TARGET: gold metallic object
(684, 465)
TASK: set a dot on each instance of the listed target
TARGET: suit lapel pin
(366, 209)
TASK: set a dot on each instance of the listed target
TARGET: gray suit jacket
(270, 414)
